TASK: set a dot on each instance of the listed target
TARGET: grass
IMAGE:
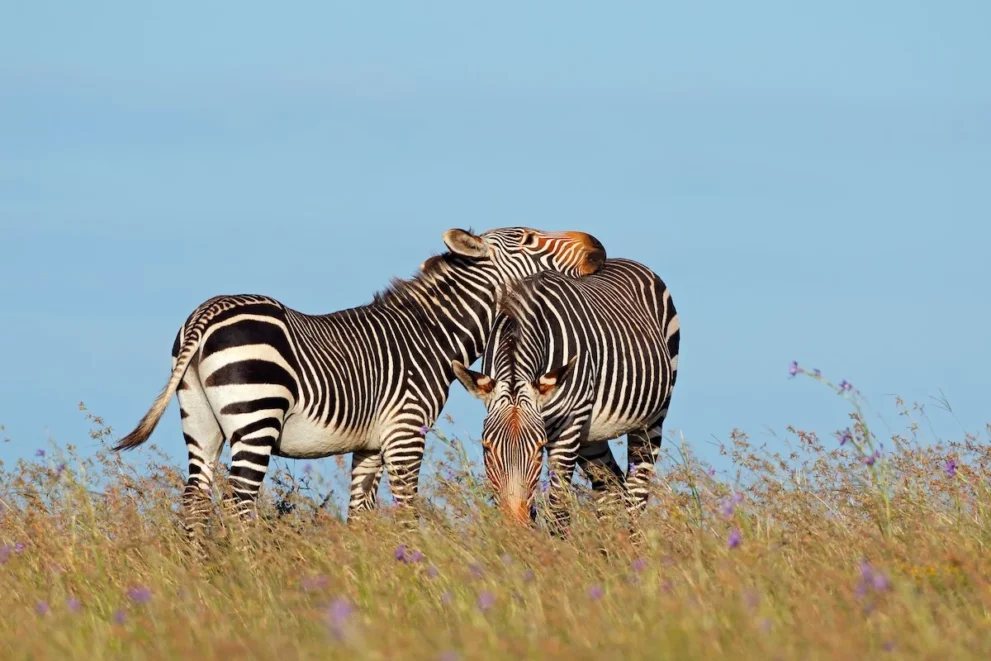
(838, 557)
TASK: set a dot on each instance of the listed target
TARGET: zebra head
(513, 433)
(518, 252)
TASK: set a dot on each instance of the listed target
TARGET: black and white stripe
(572, 364)
(366, 380)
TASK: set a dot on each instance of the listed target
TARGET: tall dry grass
(834, 548)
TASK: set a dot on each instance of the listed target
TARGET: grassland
(833, 549)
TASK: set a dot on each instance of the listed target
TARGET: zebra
(368, 380)
(572, 364)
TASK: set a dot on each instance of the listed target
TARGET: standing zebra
(367, 380)
(572, 364)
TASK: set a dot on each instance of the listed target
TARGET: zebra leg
(251, 450)
(562, 456)
(403, 456)
(204, 443)
(643, 450)
(253, 425)
(597, 461)
(367, 467)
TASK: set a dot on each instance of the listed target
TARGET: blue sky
(811, 182)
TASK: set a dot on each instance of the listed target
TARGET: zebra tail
(150, 420)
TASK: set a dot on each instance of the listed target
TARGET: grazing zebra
(572, 364)
(367, 380)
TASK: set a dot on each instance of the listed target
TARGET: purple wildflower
(880, 581)
(432, 572)
(307, 468)
(39, 453)
(5, 551)
(446, 596)
(476, 570)
(528, 576)
(120, 617)
(415, 557)
(59, 469)
(889, 646)
(845, 386)
(73, 604)
(19, 547)
(951, 468)
(711, 472)
(400, 553)
(313, 583)
(870, 459)
(734, 538)
(506, 558)
(139, 594)
(486, 601)
(846, 436)
(42, 608)
(871, 578)
(639, 565)
(817, 372)
(424, 430)
(337, 616)
(729, 504)
(595, 593)
(794, 369)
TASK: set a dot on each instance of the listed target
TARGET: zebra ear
(465, 243)
(475, 383)
(548, 383)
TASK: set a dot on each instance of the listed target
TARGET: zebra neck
(454, 305)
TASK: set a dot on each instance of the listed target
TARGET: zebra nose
(517, 511)
(595, 259)
(595, 253)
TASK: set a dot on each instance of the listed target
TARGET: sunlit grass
(813, 553)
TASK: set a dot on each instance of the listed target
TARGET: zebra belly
(604, 428)
(303, 438)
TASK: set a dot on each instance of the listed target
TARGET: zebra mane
(399, 289)
(516, 312)
(516, 299)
